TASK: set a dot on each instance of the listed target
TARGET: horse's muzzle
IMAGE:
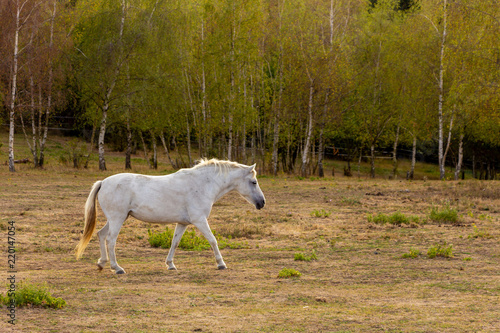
(260, 204)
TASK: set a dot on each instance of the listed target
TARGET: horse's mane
(222, 165)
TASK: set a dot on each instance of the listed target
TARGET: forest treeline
(271, 82)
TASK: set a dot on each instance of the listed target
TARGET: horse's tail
(90, 219)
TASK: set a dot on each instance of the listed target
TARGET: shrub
(286, 273)
(320, 213)
(303, 257)
(395, 219)
(28, 294)
(476, 233)
(190, 240)
(414, 253)
(446, 215)
(440, 251)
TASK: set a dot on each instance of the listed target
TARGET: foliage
(320, 213)
(287, 273)
(445, 215)
(395, 219)
(476, 233)
(414, 253)
(439, 250)
(190, 240)
(303, 257)
(28, 294)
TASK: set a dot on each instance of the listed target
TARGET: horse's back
(161, 199)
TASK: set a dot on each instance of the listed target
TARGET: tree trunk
(49, 90)
(321, 148)
(155, 154)
(448, 141)
(413, 157)
(460, 156)
(145, 149)
(100, 141)
(394, 153)
(305, 152)
(441, 161)
(162, 138)
(372, 160)
(13, 94)
(128, 152)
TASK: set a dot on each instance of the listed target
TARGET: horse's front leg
(205, 230)
(179, 231)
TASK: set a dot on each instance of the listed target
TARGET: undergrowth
(303, 257)
(287, 273)
(32, 295)
(395, 219)
(440, 251)
(190, 240)
(445, 215)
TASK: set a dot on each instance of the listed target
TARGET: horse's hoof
(121, 271)
(172, 269)
(221, 267)
(99, 267)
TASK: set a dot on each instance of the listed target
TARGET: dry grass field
(360, 281)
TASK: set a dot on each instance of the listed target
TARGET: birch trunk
(162, 138)
(460, 156)
(394, 153)
(413, 156)
(372, 160)
(107, 97)
(146, 157)
(321, 148)
(13, 94)
(49, 90)
(448, 141)
(155, 154)
(128, 152)
(441, 160)
(305, 152)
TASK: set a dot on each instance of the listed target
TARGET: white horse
(185, 197)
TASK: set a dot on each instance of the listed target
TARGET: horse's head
(249, 188)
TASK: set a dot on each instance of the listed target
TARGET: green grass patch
(287, 273)
(395, 219)
(37, 295)
(320, 213)
(445, 215)
(440, 251)
(476, 233)
(414, 253)
(303, 257)
(190, 240)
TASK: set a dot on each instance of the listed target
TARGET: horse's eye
(254, 182)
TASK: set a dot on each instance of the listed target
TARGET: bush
(190, 240)
(440, 251)
(286, 273)
(28, 294)
(414, 253)
(320, 213)
(303, 257)
(395, 219)
(446, 215)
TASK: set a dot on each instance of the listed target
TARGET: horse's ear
(252, 167)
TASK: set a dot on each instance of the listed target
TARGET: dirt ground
(359, 282)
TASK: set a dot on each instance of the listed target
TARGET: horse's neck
(222, 183)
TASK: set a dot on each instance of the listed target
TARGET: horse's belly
(156, 216)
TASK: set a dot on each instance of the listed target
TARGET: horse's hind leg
(112, 235)
(102, 242)
(179, 231)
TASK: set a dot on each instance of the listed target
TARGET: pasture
(359, 281)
